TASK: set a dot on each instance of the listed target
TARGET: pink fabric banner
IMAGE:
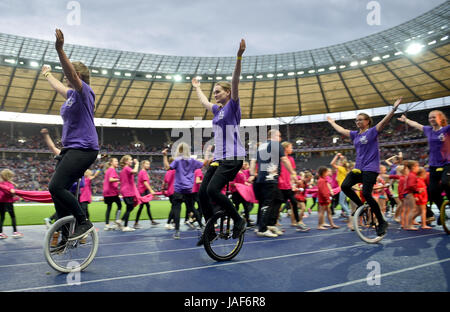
(313, 191)
(246, 191)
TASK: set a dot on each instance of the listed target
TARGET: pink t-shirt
(142, 177)
(169, 180)
(6, 197)
(284, 182)
(86, 192)
(127, 185)
(110, 188)
(196, 187)
(246, 173)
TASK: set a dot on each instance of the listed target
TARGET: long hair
(6, 175)
(124, 159)
(183, 150)
(109, 162)
(367, 117)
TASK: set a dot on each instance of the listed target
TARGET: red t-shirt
(422, 197)
(324, 193)
(411, 183)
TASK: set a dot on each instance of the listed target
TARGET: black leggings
(7, 207)
(129, 202)
(439, 181)
(213, 182)
(269, 202)
(238, 200)
(147, 205)
(84, 207)
(109, 200)
(368, 179)
(71, 166)
(289, 195)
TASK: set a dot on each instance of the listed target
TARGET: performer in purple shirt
(367, 165)
(438, 135)
(229, 152)
(79, 137)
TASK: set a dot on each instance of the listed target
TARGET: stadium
(143, 102)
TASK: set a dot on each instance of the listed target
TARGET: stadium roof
(409, 60)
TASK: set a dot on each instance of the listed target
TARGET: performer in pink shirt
(127, 187)
(111, 192)
(144, 188)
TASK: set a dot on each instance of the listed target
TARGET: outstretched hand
(59, 39)
(45, 69)
(195, 82)
(241, 48)
(402, 118)
(330, 120)
(397, 103)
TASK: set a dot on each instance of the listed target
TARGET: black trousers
(238, 200)
(215, 179)
(84, 207)
(368, 179)
(269, 199)
(4, 208)
(188, 199)
(129, 202)
(109, 200)
(71, 166)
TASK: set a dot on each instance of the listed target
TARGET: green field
(35, 214)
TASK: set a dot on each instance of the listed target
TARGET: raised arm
(237, 72)
(48, 140)
(165, 160)
(201, 96)
(333, 162)
(67, 66)
(380, 126)
(338, 128)
(57, 85)
(411, 123)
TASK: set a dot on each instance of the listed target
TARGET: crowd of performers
(269, 179)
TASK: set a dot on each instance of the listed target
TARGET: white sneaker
(3, 236)
(108, 227)
(267, 233)
(48, 223)
(128, 229)
(275, 230)
(17, 235)
(169, 226)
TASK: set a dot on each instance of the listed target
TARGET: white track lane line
(212, 265)
(362, 280)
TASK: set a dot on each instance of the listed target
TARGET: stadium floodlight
(95, 71)
(218, 78)
(354, 63)
(432, 42)
(177, 78)
(259, 76)
(34, 64)
(342, 66)
(168, 77)
(386, 56)
(117, 73)
(414, 48)
(444, 38)
(270, 75)
(321, 70)
(104, 72)
(430, 32)
(198, 77)
(363, 62)
(229, 77)
(158, 76)
(398, 53)
(311, 71)
(332, 68)
(299, 141)
(10, 61)
(291, 74)
(280, 75)
(249, 77)
(127, 74)
(376, 58)
(300, 72)
(148, 76)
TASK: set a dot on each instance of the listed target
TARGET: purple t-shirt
(77, 113)
(184, 174)
(367, 151)
(226, 123)
(436, 141)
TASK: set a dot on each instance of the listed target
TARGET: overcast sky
(205, 27)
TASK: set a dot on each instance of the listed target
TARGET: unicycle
(219, 242)
(69, 256)
(366, 225)
(445, 216)
(65, 255)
